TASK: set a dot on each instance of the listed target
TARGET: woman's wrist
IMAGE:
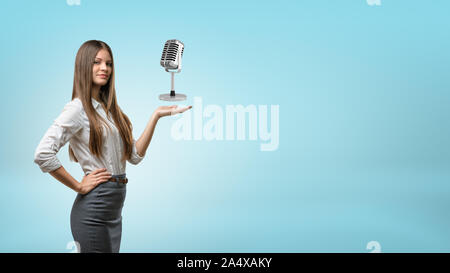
(156, 116)
(78, 187)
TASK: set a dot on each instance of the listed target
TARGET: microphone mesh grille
(170, 51)
(170, 57)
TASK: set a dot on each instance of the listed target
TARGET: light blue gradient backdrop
(364, 99)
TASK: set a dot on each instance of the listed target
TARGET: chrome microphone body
(172, 55)
(171, 60)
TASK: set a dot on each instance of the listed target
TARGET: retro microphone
(171, 61)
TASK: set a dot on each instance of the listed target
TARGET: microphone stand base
(176, 97)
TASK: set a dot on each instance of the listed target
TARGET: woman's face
(102, 68)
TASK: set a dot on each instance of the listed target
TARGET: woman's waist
(116, 170)
(120, 176)
(112, 173)
(116, 181)
(115, 178)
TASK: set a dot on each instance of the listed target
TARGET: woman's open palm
(163, 111)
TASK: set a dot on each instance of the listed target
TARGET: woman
(100, 139)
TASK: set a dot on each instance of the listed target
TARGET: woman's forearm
(143, 141)
(64, 177)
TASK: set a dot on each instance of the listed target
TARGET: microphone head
(171, 55)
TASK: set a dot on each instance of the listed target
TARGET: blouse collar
(95, 103)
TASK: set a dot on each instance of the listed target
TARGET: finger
(101, 175)
(181, 110)
(98, 170)
(105, 176)
(187, 108)
(101, 180)
(105, 172)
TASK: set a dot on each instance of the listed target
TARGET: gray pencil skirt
(96, 218)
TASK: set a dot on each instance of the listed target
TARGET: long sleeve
(60, 132)
(135, 157)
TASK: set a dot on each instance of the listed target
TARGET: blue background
(364, 100)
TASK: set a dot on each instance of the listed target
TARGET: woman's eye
(108, 64)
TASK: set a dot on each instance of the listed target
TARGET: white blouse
(73, 125)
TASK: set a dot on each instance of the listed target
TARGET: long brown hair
(82, 89)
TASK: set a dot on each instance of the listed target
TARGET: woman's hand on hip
(93, 179)
(163, 111)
